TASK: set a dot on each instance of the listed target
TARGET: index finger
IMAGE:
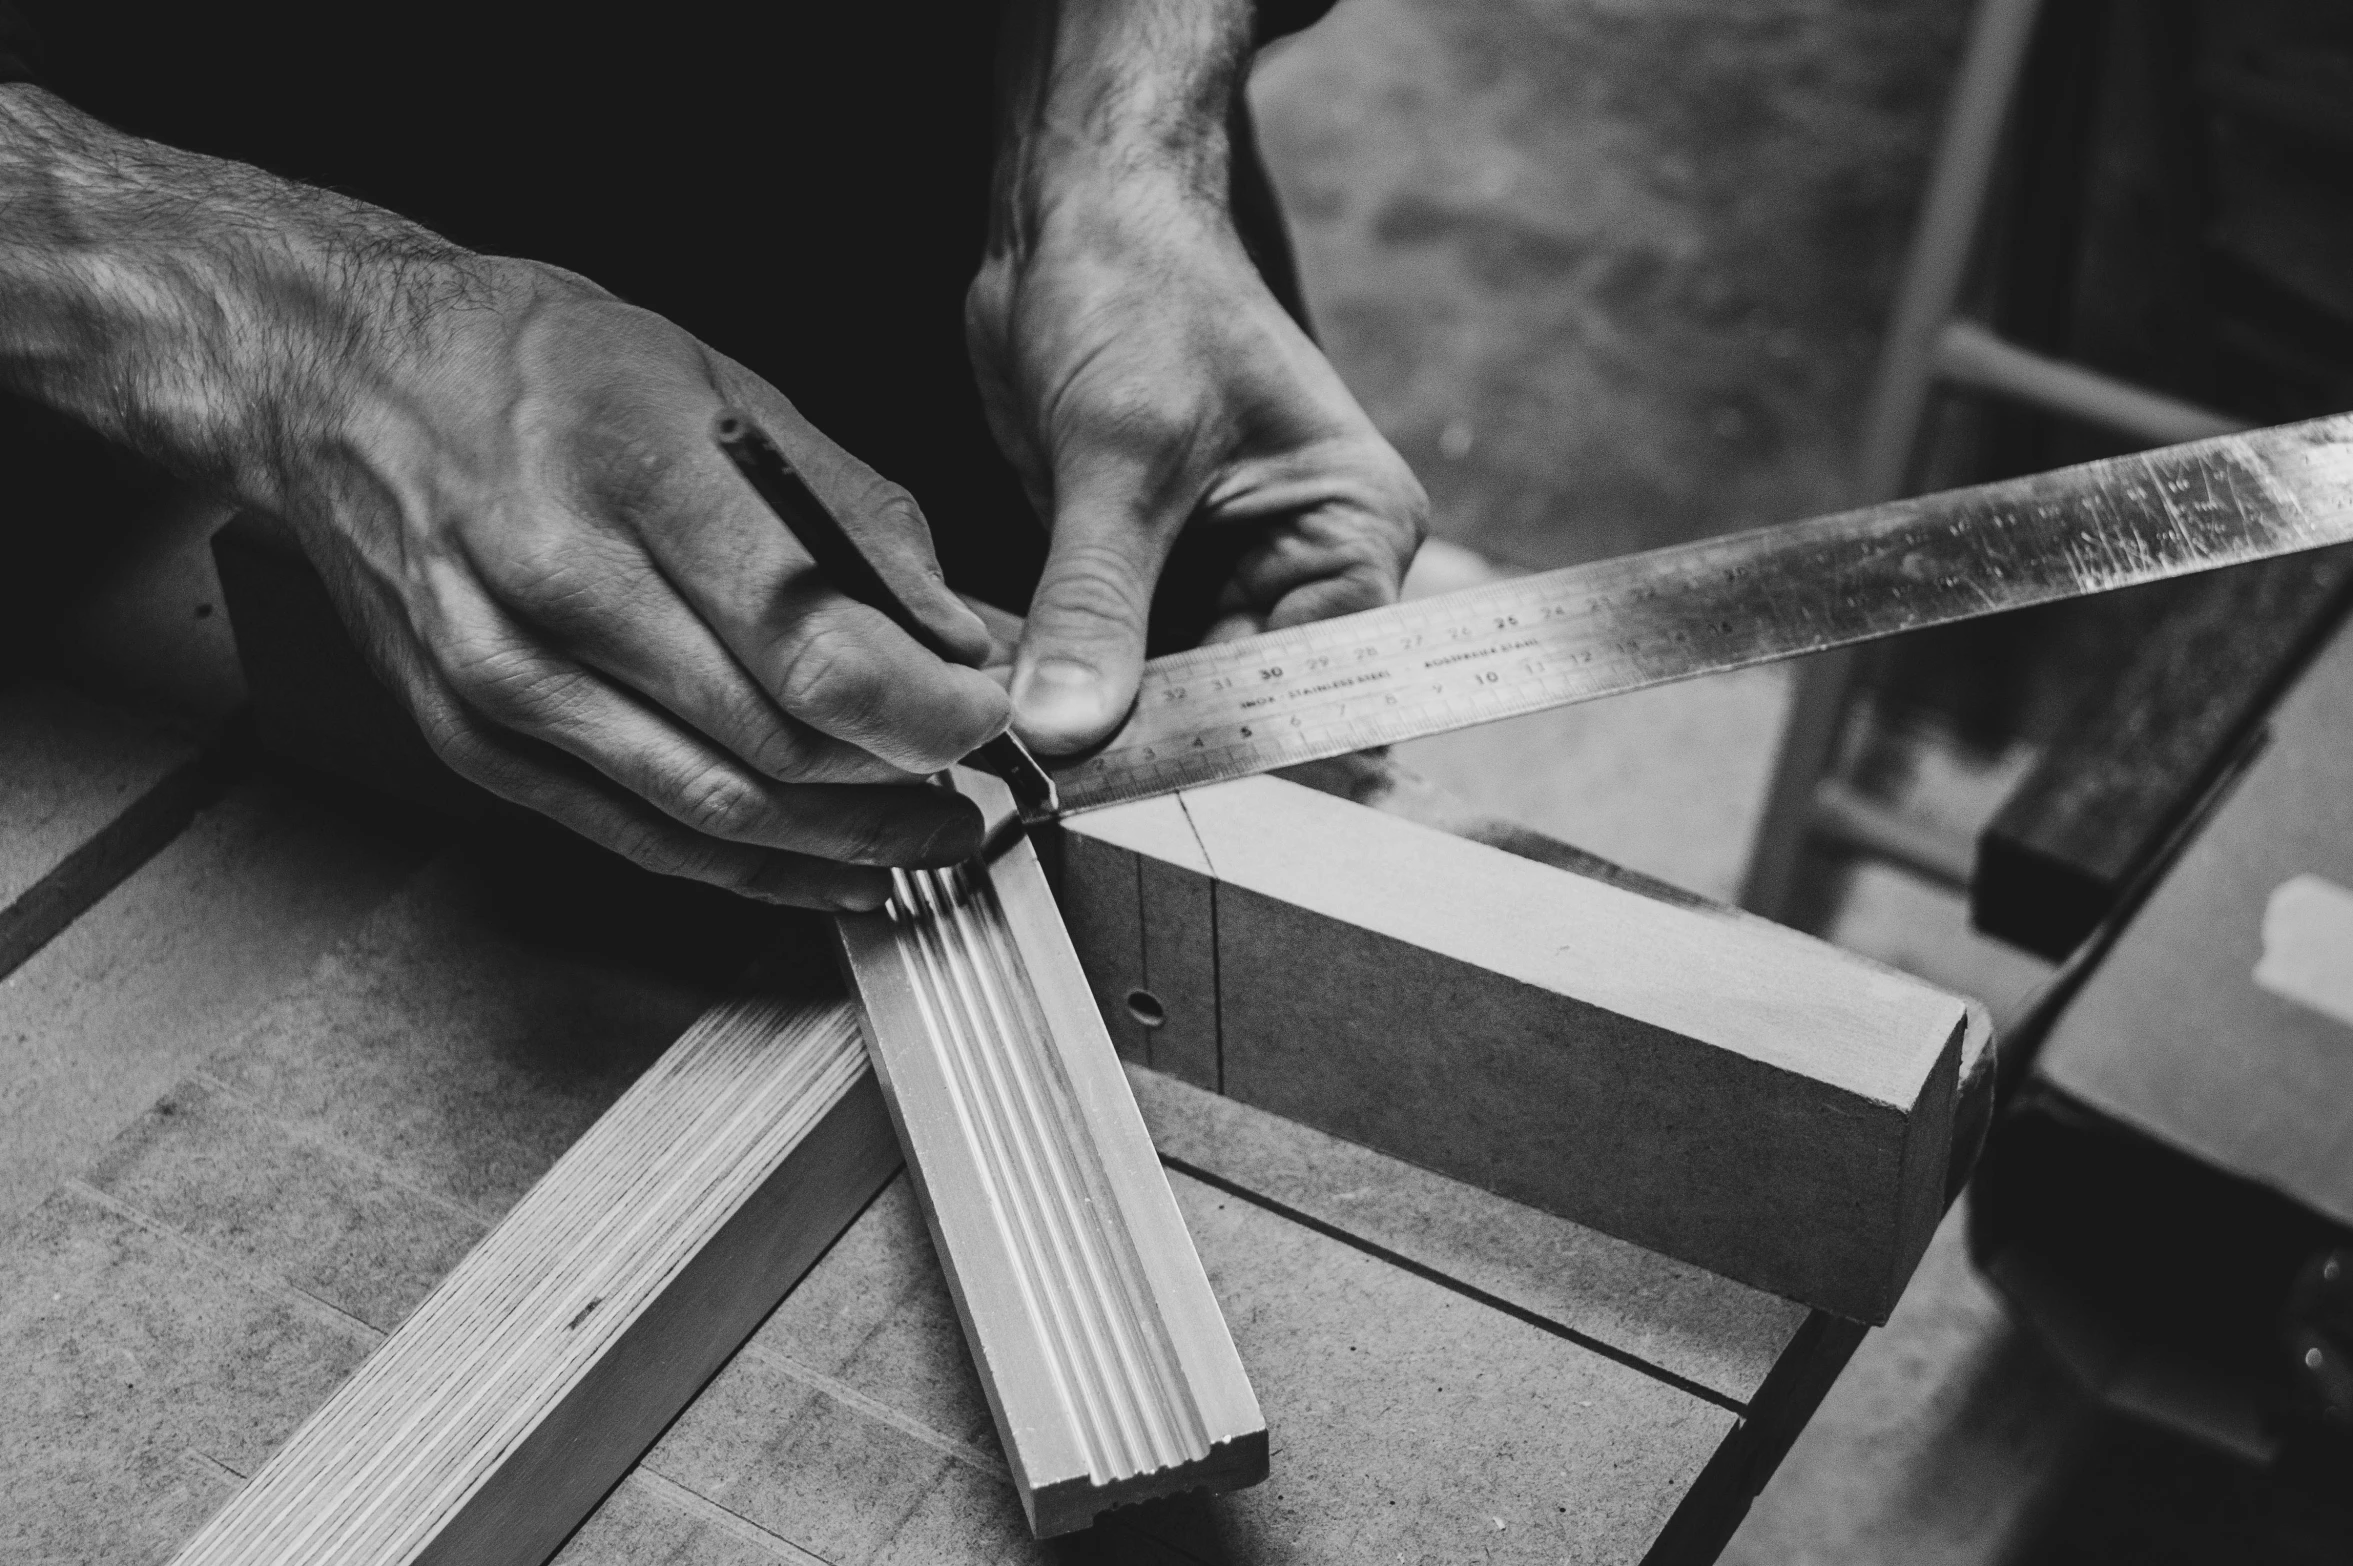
(837, 665)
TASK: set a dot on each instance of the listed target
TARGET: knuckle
(654, 850)
(718, 802)
(1097, 581)
(832, 676)
(535, 566)
(890, 506)
(631, 462)
(447, 733)
(780, 752)
(468, 754)
(504, 682)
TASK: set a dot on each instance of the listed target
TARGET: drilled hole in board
(1145, 1007)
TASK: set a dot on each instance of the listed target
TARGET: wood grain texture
(1700, 1083)
(86, 795)
(2173, 1034)
(2099, 807)
(1110, 1371)
(533, 1378)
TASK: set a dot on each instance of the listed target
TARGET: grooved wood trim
(1106, 1361)
(1700, 1082)
(528, 1383)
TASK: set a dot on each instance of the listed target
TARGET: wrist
(211, 316)
(1119, 97)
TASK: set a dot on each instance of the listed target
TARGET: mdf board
(1698, 1082)
(176, 1312)
(2221, 1019)
(172, 961)
(86, 795)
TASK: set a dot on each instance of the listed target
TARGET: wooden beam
(1106, 1362)
(1692, 1079)
(528, 1383)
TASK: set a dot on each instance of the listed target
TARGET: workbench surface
(343, 1051)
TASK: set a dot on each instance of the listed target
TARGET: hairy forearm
(202, 312)
(1108, 90)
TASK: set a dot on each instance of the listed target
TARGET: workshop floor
(1612, 276)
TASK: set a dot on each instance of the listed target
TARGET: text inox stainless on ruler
(1619, 625)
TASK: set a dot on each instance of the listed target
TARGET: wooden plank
(2099, 808)
(2184, 1030)
(169, 966)
(1111, 1374)
(533, 1378)
(86, 795)
(1700, 1083)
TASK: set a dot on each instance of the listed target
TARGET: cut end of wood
(1077, 1504)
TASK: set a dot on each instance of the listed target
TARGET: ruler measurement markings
(1545, 640)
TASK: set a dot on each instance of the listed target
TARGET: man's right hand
(507, 478)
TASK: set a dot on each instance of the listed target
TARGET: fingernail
(1058, 696)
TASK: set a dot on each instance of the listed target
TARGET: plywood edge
(523, 1388)
(1106, 1361)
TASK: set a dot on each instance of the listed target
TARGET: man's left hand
(1143, 379)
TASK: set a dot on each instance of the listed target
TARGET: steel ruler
(1535, 642)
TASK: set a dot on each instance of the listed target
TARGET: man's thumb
(1083, 650)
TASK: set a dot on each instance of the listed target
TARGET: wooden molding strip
(525, 1386)
(1103, 1353)
(1692, 1079)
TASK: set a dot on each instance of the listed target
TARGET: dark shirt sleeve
(1275, 17)
(20, 55)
